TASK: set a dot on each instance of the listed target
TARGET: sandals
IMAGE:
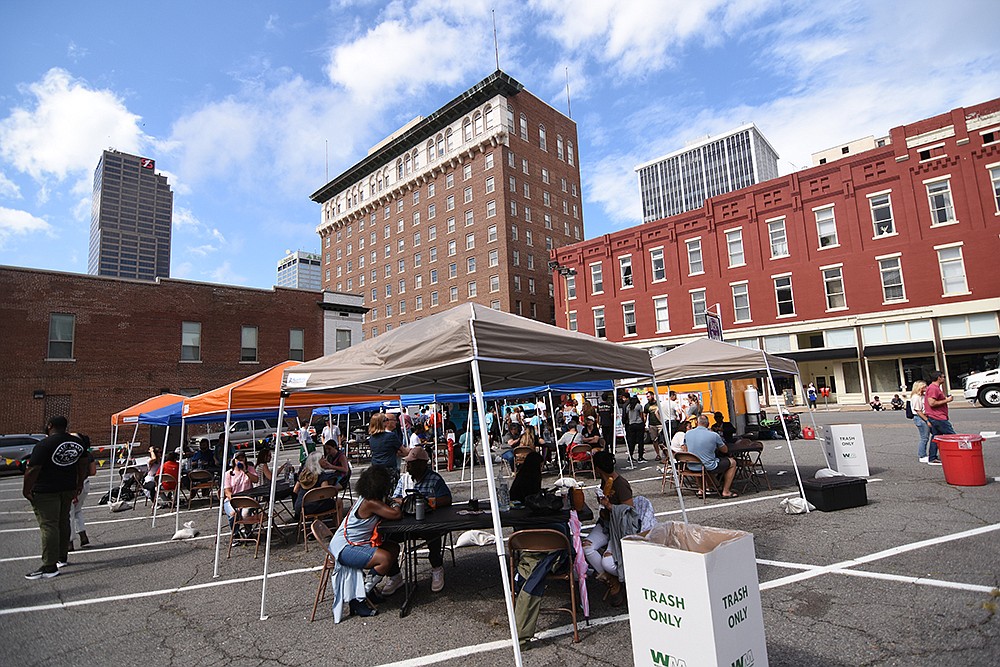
(732, 494)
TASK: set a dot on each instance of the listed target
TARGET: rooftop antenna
(569, 108)
(496, 44)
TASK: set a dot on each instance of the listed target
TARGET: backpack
(909, 410)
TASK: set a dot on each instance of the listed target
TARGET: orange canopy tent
(131, 415)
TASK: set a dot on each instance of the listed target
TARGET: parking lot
(910, 579)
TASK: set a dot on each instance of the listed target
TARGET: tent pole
(555, 434)
(495, 511)
(628, 452)
(114, 442)
(222, 488)
(812, 417)
(402, 424)
(470, 441)
(665, 427)
(436, 457)
(270, 508)
(180, 474)
(788, 441)
(159, 480)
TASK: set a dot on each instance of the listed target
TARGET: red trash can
(962, 458)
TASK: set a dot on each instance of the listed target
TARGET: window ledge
(774, 257)
(737, 266)
(249, 363)
(628, 286)
(884, 236)
(778, 317)
(835, 310)
(700, 326)
(742, 321)
(828, 247)
(60, 359)
(697, 273)
(894, 302)
(628, 335)
(659, 280)
(190, 361)
(954, 294)
(944, 224)
(660, 331)
(602, 291)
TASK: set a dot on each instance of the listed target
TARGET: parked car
(243, 432)
(17, 448)
(983, 388)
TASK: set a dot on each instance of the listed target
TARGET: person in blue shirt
(707, 445)
(433, 487)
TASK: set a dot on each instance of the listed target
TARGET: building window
(470, 265)
(434, 298)
(516, 257)
(783, 295)
(449, 181)
(433, 254)
(495, 304)
(939, 198)
(489, 162)
(513, 232)
(513, 209)
(741, 302)
(531, 262)
(952, 270)
(778, 238)
(418, 303)
(431, 212)
(469, 218)
(571, 324)
(517, 283)
(625, 266)
(662, 314)
(734, 246)
(453, 270)
(451, 225)
(657, 264)
(524, 127)
(473, 289)
(570, 287)
(402, 286)
(490, 184)
(466, 172)
(995, 181)
(891, 272)
(596, 278)
(449, 202)
(343, 340)
(434, 276)
(190, 341)
(826, 227)
(881, 206)
(698, 307)
(531, 285)
(452, 248)
(695, 263)
(248, 344)
(470, 241)
(527, 237)
(599, 329)
(541, 138)
(491, 208)
(628, 316)
(453, 294)
(418, 260)
(416, 239)
(432, 232)
(62, 328)
(833, 285)
(560, 150)
(494, 257)
(495, 283)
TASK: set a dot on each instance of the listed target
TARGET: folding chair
(749, 466)
(252, 515)
(202, 480)
(581, 448)
(323, 535)
(316, 495)
(702, 478)
(544, 540)
(166, 481)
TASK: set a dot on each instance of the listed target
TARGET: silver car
(16, 449)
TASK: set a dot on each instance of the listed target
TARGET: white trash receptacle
(694, 597)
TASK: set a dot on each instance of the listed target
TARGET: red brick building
(870, 270)
(87, 346)
(463, 205)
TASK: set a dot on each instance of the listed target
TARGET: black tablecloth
(282, 491)
(448, 518)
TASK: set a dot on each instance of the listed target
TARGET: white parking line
(147, 517)
(97, 550)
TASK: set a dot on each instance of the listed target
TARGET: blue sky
(238, 101)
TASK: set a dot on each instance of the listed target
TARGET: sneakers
(392, 584)
(935, 462)
(361, 607)
(437, 579)
(41, 573)
(61, 564)
(924, 459)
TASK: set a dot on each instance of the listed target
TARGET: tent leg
(270, 509)
(665, 427)
(555, 435)
(159, 480)
(788, 441)
(222, 489)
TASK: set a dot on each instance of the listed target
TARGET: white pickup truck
(984, 388)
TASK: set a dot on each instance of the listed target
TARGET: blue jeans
(939, 427)
(925, 433)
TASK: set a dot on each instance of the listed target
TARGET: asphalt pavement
(910, 579)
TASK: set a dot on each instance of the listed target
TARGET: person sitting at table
(170, 467)
(433, 487)
(591, 435)
(204, 458)
(356, 543)
(311, 477)
(334, 464)
(896, 402)
(239, 478)
(386, 447)
(418, 435)
(724, 428)
(707, 445)
(571, 437)
(510, 440)
(613, 491)
(467, 450)
(677, 439)
(528, 478)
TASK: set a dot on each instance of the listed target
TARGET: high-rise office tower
(463, 205)
(682, 181)
(301, 270)
(130, 219)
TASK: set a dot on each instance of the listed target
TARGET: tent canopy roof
(703, 360)
(434, 355)
(131, 415)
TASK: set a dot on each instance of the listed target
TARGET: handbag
(909, 410)
(409, 505)
(544, 502)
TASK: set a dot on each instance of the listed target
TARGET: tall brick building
(870, 270)
(463, 205)
(87, 346)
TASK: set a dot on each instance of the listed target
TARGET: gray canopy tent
(705, 360)
(469, 349)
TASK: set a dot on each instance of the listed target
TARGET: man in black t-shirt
(606, 413)
(55, 474)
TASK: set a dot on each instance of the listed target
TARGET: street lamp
(565, 272)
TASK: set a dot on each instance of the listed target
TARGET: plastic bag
(688, 537)
(475, 538)
(827, 472)
(796, 505)
(187, 532)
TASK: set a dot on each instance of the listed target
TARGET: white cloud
(65, 127)
(202, 250)
(20, 223)
(9, 188)
(75, 52)
(224, 273)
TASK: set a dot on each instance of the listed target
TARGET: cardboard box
(844, 447)
(694, 597)
(830, 494)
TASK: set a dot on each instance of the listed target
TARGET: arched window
(371, 186)
(559, 147)
(510, 120)
(406, 163)
(524, 127)
(477, 123)
(569, 152)
(378, 181)
(449, 139)
(399, 169)
(541, 138)
(488, 117)
(440, 145)
(430, 151)
(416, 159)
(467, 130)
